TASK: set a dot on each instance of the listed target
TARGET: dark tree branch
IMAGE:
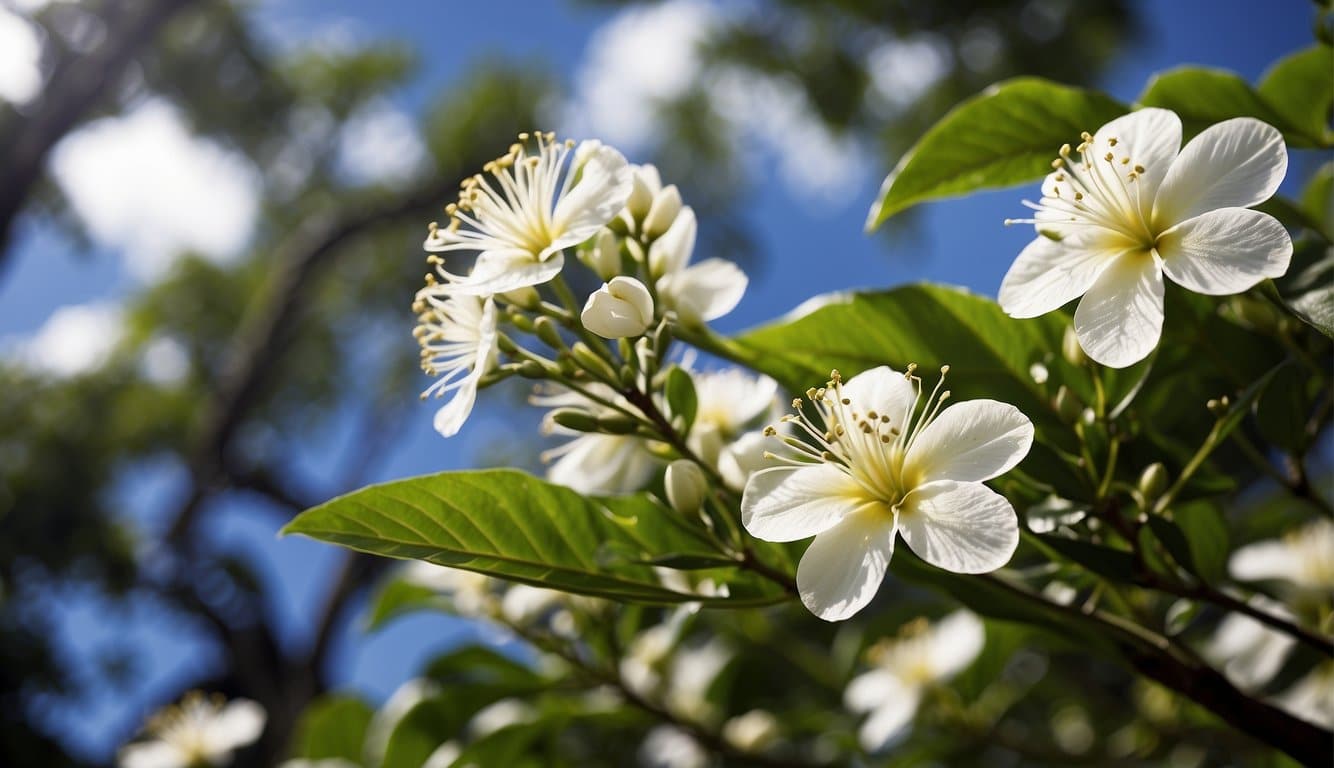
(77, 85)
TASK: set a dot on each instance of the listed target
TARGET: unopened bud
(1257, 314)
(521, 321)
(686, 486)
(526, 297)
(646, 185)
(620, 308)
(1067, 405)
(1152, 482)
(531, 369)
(575, 419)
(591, 361)
(618, 423)
(1070, 349)
(545, 329)
(603, 254)
(671, 252)
(666, 204)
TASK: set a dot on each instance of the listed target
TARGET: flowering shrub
(1076, 479)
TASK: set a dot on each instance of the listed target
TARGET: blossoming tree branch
(1066, 461)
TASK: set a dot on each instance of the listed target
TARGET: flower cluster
(200, 730)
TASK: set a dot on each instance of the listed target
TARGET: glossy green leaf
(1301, 88)
(1006, 135)
(1202, 97)
(682, 402)
(333, 727)
(1115, 564)
(517, 527)
(1206, 534)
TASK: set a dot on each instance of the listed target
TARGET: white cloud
(379, 145)
(902, 70)
(20, 59)
(144, 185)
(646, 56)
(165, 361)
(641, 57)
(76, 339)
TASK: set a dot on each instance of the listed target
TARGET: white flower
(1249, 652)
(730, 402)
(1304, 558)
(602, 254)
(533, 207)
(524, 604)
(595, 463)
(198, 731)
(904, 668)
(874, 470)
(752, 731)
(692, 673)
(620, 308)
(1132, 209)
(697, 292)
(1312, 697)
(459, 345)
(470, 592)
(667, 746)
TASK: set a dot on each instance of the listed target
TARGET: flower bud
(526, 297)
(666, 204)
(545, 329)
(751, 732)
(575, 419)
(603, 254)
(646, 185)
(1152, 482)
(671, 252)
(686, 486)
(1067, 405)
(1070, 349)
(620, 308)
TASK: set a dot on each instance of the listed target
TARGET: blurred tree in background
(310, 324)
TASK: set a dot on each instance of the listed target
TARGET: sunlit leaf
(1006, 135)
(1204, 96)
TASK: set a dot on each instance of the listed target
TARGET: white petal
(671, 252)
(704, 291)
(1312, 697)
(238, 724)
(971, 441)
(888, 721)
(793, 503)
(1225, 251)
(501, 271)
(870, 689)
(1150, 137)
(600, 194)
(843, 567)
(1049, 274)
(598, 464)
(1265, 560)
(961, 527)
(1120, 319)
(743, 458)
(883, 390)
(152, 754)
(955, 642)
(1249, 652)
(1234, 164)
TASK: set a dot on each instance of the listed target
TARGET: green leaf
(1206, 534)
(333, 727)
(681, 398)
(1202, 97)
(397, 597)
(989, 353)
(1115, 564)
(1006, 135)
(514, 526)
(1308, 287)
(1281, 411)
(1301, 88)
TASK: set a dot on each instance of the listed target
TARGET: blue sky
(809, 248)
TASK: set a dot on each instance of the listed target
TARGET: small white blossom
(532, 208)
(1132, 209)
(459, 345)
(753, 731)
(621, 308)
(501, 714)
(1303, 558)
(924, 656)
(1251, 653)
(471, 593)
(698, 292)
(198, 731)
(1312, 697)
(667, 746)
(877, 467)
(663, 212)
(594, 463)
(730, 403)
(603, 254)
